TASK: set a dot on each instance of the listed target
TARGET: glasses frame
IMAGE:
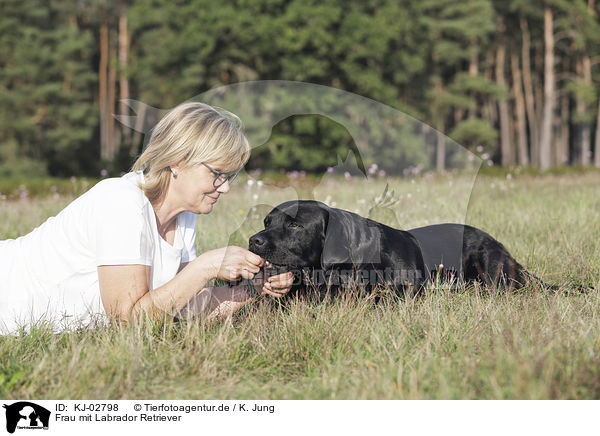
(228, 176)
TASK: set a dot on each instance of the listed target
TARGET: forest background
(515, 81)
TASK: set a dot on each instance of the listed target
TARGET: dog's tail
(569, 288)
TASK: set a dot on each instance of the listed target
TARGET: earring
(174, 174)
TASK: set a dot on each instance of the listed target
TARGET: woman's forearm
(171, 297)
(216, 302)
(187, 295)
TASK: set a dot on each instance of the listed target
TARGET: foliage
(20, 186)
(23, 169)
(47, 105)
(474, 132)
(432, 59)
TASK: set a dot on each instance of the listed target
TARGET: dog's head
(293, 235)
(308, 233)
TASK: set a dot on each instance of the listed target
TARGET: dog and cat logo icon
(26, 415)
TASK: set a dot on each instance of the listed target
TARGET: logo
(26, 415)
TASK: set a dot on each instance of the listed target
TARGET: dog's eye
(293, 225)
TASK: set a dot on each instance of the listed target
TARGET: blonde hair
(191, 132)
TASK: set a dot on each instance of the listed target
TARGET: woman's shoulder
(120, 190)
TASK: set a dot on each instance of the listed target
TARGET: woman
(126, 247)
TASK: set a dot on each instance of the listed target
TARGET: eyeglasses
(220, 177)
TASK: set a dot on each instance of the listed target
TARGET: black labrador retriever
(336, 248)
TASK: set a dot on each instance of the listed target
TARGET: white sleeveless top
(51, 273)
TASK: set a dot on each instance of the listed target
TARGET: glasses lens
(219, 180)
(222, 178)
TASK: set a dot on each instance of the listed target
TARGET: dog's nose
(257, 241)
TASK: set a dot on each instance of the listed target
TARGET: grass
(462, 344)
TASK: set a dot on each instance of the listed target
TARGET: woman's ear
(176, 168)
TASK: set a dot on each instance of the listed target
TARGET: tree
(457, 32)
(546, 135)
(47, 81)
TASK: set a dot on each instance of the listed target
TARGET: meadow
(466, 343)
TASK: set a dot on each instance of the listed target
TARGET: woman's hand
(232, 263)
(276, 286)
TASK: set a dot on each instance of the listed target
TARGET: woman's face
(194, 189)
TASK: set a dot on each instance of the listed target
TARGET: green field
(450, 344)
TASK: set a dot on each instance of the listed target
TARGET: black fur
(333, 247)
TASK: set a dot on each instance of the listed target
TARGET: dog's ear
(350, 239)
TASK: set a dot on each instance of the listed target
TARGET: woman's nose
(224, 188)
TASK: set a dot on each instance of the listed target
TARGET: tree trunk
(521, 121)
(440, 150)
(112, 84)
(506, 148)
(528, 87)
(123, 80)
(549, 97)
(138, 129)
(103, 74)
(562, 141)
(582, 128)
(490, 105)
(473, 72)
(586, 146)
(562, 122)
(597, 142)
(592, 10)
(538, 86)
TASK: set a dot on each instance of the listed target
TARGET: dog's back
(468, 254)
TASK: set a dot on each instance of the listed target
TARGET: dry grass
(446, 345)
